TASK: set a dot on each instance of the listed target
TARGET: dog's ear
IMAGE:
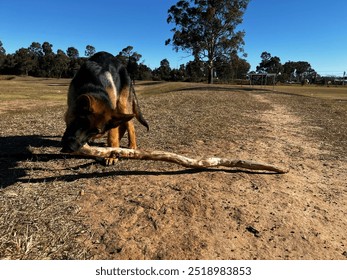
(86, 103)
(118, 119)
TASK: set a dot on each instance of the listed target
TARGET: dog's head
(92, 118)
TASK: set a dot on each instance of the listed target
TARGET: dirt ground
(54, 206)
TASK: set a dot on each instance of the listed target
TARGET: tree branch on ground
(107, 152)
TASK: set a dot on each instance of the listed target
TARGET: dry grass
(54, 206)
(324, 92)
(14, 88)
(23, 93)
(338, 93)
(36, 220)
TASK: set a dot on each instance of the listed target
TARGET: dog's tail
(137, 110)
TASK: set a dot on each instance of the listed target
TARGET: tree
(207, 28)
(163, 72)
(36, 52)
(36, 49)
(90, 50)
(195, 71)
(144, 72)
(47, 48)
(297, 71)
(240, 67)
(72, 53)
(124, 55)
(269, 64)
(48, 60)
(61, 64)
(179, 74)
(8, 66)
(2, 49)
(24, 61)
(2, 55)
(230, 68)
(75, 62)
(130, 60)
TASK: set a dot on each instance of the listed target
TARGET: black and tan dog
(101, 99)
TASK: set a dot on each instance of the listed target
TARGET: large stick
(107, 152)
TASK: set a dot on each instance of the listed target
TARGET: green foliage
(291, 71)
(2, 49)
(230, 69)
(163, 72)
(269, 64)
(2, 55)
(195, 71)
(40, 60)
(207, 29)
(130, 60)
(72, 53)
(298, 71)
(90, 50)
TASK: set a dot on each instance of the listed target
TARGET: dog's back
(100, 74)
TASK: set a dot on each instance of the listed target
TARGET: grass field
(27, 90)
(331, 92)
(14, 88)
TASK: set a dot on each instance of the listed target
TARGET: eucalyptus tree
(207, 29)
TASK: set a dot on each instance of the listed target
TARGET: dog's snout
(70, 144)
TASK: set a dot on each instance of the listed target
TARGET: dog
(101, 99)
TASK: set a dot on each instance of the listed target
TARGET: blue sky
(308, 30)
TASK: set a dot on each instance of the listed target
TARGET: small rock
(255, 232)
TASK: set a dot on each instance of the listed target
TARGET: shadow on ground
(18, 149)
(15, 149)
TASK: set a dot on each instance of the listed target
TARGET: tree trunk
(210, 75)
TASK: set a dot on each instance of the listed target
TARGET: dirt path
(214, 215)
(59, 207)
(312, 191)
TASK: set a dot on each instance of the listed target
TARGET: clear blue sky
(308, 30)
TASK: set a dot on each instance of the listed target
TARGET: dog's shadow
(17, 149)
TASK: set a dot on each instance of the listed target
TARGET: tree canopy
(291, 71)
(207, 29)
(40, 60)
(269, 64)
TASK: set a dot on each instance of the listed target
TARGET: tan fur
(116, 134)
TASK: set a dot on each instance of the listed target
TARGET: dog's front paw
(110, 161)
(113, 159)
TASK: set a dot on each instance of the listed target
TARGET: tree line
(207, 29)
(289, 72)
(39, 60)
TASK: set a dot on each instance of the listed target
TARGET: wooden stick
(107, 152)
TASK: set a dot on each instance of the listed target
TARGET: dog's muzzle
(70, 144)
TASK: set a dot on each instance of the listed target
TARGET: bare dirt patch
(59, 207)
